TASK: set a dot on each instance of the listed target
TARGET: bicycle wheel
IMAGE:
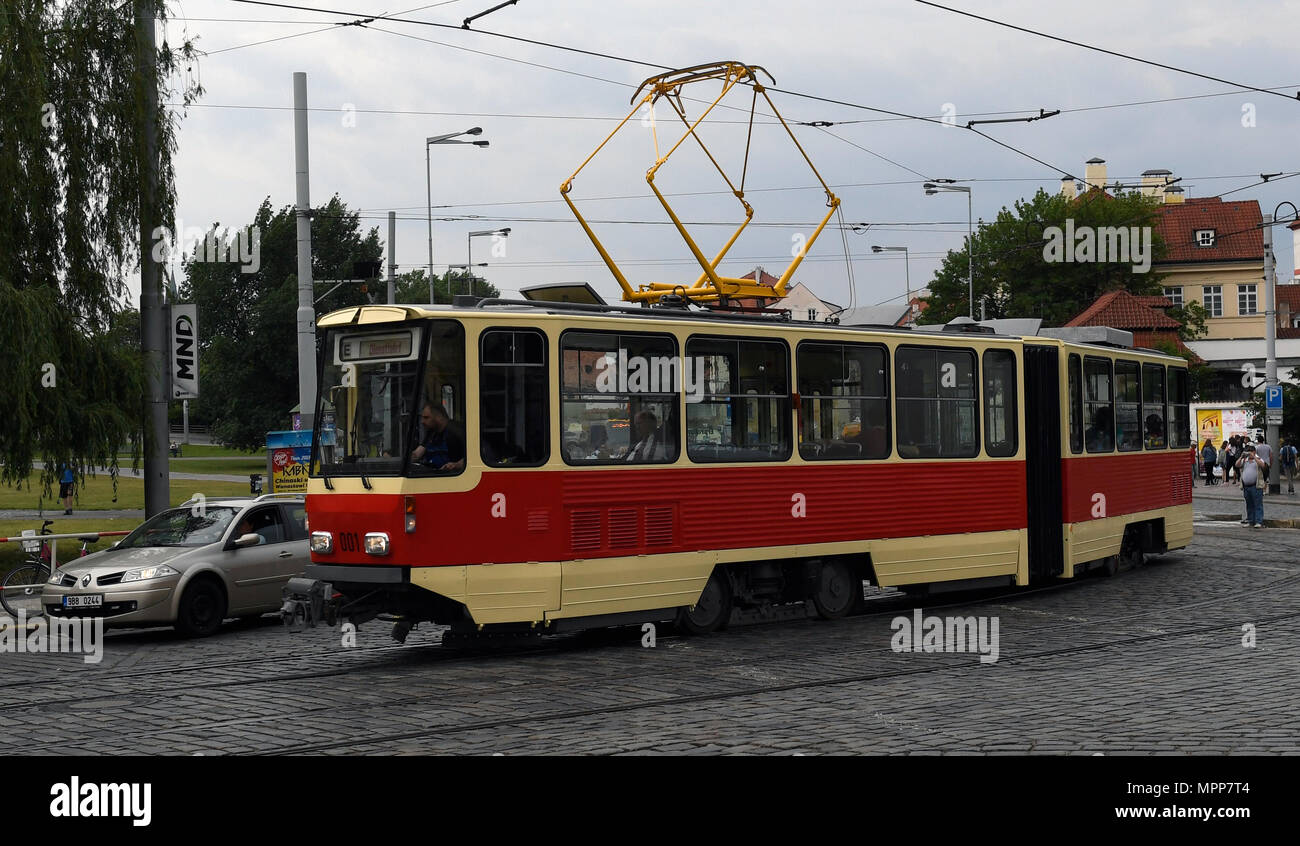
(22, 591)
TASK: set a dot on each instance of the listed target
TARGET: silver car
(191, 567)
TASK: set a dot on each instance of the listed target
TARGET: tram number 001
(348, 542)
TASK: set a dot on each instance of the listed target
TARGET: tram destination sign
(388, 346)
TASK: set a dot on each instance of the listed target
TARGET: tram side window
(618, 397)
(1076, 404)
(1099, 405)
(744, 413)
(1180, 418)
(513, 398)
(1153, 406)
(1000, 403)
(935, 390)
(1128, 406)
(844, 403)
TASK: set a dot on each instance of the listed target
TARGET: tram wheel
(834, 592)
(712, 610)
(1111, 565)
(1130, 551)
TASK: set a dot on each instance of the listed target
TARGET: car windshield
(195, 526)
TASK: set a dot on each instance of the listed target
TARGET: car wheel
(202, 608)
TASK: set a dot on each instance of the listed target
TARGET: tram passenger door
(1043, 402)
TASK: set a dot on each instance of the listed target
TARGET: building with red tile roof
(1144, 316)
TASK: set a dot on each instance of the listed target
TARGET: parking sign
(1273, 398)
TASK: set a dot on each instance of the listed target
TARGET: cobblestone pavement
(1150, 662)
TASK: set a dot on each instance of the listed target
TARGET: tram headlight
(376, 543)
(410, 515)
(322, 542)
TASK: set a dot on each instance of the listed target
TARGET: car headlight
(322, 542)
(376, 543)
(145, 573)
(55, 578)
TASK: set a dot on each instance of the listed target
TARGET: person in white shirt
(1251, 469)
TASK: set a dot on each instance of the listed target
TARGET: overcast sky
(376, 95)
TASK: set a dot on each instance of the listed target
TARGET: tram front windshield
(373, 386)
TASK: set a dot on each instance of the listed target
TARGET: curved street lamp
(932, 188)
(449, 138)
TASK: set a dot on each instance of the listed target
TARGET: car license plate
(96, 601)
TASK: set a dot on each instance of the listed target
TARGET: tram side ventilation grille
(539, 520)
(623, 528)
(1181, 487)
(659, 522)
(584, 529)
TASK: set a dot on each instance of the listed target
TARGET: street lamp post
(469, 250)
(449, 138)
(907, 273)
(932, 188)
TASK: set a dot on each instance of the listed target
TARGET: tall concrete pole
(306, 309)
(153, 317)
(392, 257)
(1270, 346)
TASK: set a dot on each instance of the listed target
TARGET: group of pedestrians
(1240, 462)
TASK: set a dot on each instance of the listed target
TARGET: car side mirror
(249, 539)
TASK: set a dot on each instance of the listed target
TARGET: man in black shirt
(442, 447)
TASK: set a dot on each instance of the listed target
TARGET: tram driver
(441, 447)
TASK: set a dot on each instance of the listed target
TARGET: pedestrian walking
(1225, 461)
(1287, 464)
(1209, 460)
(1251, 468)
(67, 481)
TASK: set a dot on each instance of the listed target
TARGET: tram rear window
(844, 404)
(1180, 419)
(936, 402)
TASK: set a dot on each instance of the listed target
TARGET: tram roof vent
(966, 324)
(1099, 335)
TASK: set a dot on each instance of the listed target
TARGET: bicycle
(22, 587)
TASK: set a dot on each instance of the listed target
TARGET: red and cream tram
(517, 465)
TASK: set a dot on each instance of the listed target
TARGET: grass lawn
(11, 554)
(97, 494)
(240, 466)
(208, 451)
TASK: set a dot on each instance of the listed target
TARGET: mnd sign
(185, 351)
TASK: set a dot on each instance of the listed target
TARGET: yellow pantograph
(710, 286)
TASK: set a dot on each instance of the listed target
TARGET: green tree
(1014, 278)
(71, 174)
(247, 317)
(413, 287)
